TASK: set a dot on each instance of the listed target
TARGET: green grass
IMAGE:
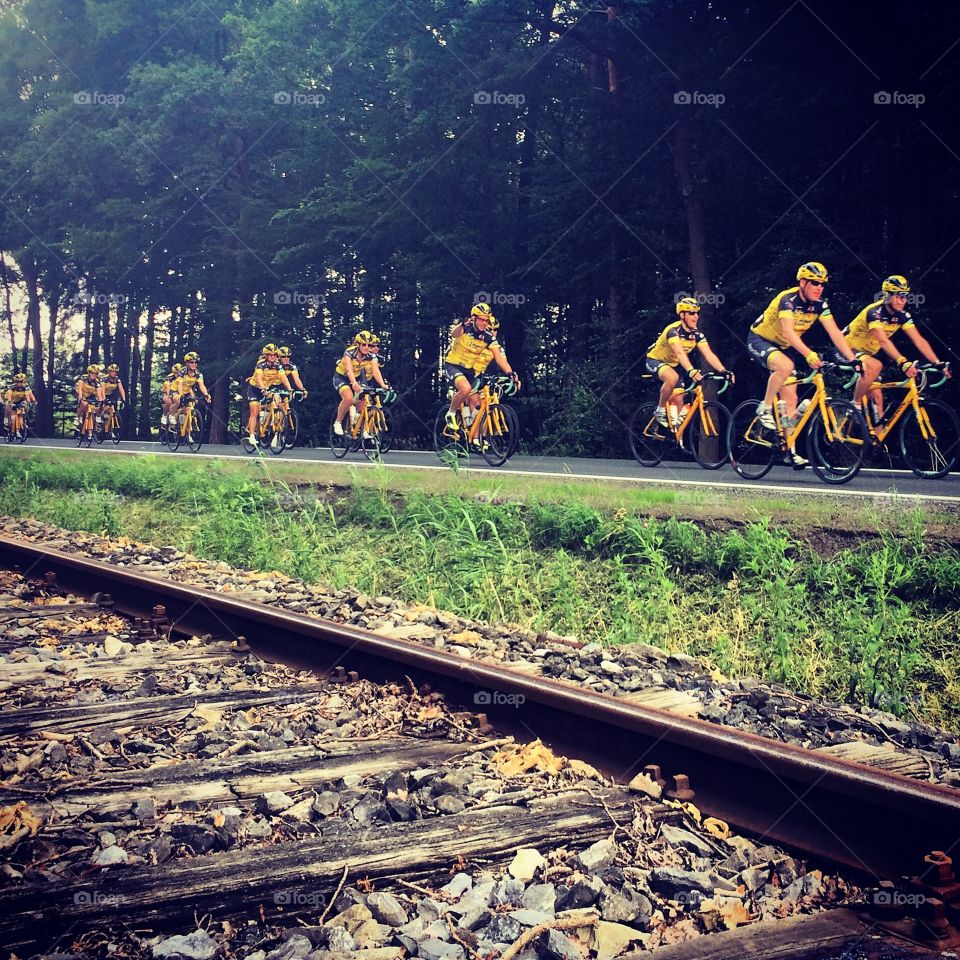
(877, 624)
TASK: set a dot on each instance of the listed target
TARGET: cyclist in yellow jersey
(870, 332)
(353, 369)
(87, 388)
(774, 339)
(672, 349)
(191, 380)
(285, 356)
(111, 385)
(268, 373)
(18, 392)
(472, 340)
(166, 392)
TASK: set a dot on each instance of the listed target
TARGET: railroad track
(870, 821)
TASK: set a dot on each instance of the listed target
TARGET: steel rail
(871, 821)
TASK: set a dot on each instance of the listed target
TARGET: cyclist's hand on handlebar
(695, 375)
(729, 375)
(857, 365)
(305, 394)
(813, 360)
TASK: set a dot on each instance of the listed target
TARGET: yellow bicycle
(271, 427)
(109, 426)
(837, 436)
(17, 427)
(369, 430)
(701, 429)
(929, 430)
(187, 431)
(492, 429)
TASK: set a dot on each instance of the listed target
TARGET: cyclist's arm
(922, 344)
(377, 374)
(351, 373)
(837, 338)
(456, 331)
(285, 380)
(711, 358)
(886, 344)
(30, 397)
(123, 393)
(297, 381)
(789, 333)
(502, 363)
(203, 388)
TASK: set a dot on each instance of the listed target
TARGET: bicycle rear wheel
(649, 440)
(836, 448)
(450, 448)
(291, 429)
(339, 442)
(496, 442)
(173, 432)
(193, 431)
(752, 447)
(513, 422)
(935, 454)
(707, 434)
(114, 432)
(386, 431)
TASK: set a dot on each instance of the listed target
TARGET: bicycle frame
(913, 398)
(696, 407)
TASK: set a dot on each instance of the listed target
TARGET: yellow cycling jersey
(875, 316)
(110, 386)
(675, 334)
(17, 396)
(486, 358)
(270, 374)
(87, 387)
(187, 382)
(362, 365)
(289, 369)
(788, 304)
(470, 348)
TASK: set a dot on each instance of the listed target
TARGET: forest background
(214, 174)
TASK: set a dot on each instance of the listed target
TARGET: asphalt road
(871, 483)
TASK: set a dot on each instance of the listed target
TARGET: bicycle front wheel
(706, 436)
(513, 423)
(21, 433)
(193, 432)
(752, 446)
(291, 429)
(929, 440)
(649, 440)
(496, 442)
(114, 433)
(386, 431)
(836, 446)
(339, 442)
(450, 446)
(173, 433)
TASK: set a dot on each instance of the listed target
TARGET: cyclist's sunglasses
(818, 283)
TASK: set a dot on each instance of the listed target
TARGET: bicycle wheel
(752, 447)
(193, 431)
(99, 432)
(370, 435)
(386, 431)
(935, 454)
(649, 440)
(274, 435)
(496, 443)
(173, 432)
(836, 454)
(706, 435)
(291, 429)
(513, 423)
(451, 449)
(339, 442)
(20, 435)
(114, 432)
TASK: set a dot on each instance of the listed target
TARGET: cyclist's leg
(462, 381)
(345, 391)
(669, 377)
(872, 368)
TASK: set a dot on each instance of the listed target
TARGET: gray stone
(502, 929)
(507, 892)
(458, 886)
(754, 878)
(581, 893)
(553, 945)
(597, 857)
(526, 863)
(540, 896)
(414, 930)
(386, 908)
(669, 881)
(197, 836)
(679, 837)
(340, 940)
(111, 857)
(273, 802)
(448, 804)
(258, 829)
(625, 906)
(440, 950)
(531, 918)
(198, 945)
(145, 809)
(295, 948)
(474, 918)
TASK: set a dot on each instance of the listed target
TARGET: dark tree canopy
(179, 175)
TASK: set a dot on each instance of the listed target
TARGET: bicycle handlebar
(710, 375)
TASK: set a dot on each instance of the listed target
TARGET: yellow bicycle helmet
(687, 305)
(364, 336)
(269, 348)
(813, 271)
(177, 368)
(20, 378)
(191, 357)
(896, 283)
(285, 352)
(494, 324)
(93, 370)
(113, 368)
(481, 310)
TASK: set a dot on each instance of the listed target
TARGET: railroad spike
(681, 788)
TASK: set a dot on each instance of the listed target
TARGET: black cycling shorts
(760, 349)
(453, 370)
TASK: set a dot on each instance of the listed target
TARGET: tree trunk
(41, 389)
(53, 306)
(4, 274)
(146, 376)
